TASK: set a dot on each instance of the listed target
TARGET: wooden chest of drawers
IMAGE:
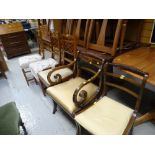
(14, 39)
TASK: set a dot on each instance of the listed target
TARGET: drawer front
(11, 52)
(90, 60)
(6, 39)
(14, 43)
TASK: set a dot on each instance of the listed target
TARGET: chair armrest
(57, 76)
(82, 104)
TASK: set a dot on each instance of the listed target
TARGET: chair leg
(3, 73)
(55, 107)
(25, 76)
(24, 129)
(78, 129)
(42, 87)
(35, 81)
(131, 131)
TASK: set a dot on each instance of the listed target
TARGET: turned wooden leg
(146, 117)
(55, 107)
(24, 129)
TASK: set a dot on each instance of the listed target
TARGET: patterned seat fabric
(63, 72)
(26, 60)
(105, 117)
(38, 66)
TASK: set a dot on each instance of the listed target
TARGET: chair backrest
(42, 22)
(139, 82)
(87, 65)
(55, 44)
(68, 47)
(66, 26)
(81, 31)
(43, 31)
(103, 35)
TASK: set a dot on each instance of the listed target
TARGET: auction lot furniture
(143, 59)
(10, 120)
(14, 39)
(105, 115)
(64, 44)
(62, 93)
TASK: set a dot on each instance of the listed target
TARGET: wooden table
(144, 59)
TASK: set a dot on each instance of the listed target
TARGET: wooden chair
(44, 39)
(101, 40)
(81, 32)
(62, 92)
(25, 61)
(105, 115)
(63, 43)
(48, 63)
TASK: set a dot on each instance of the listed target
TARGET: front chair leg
(78, 129)
(55, 107)
(24, 129)
(131, 131)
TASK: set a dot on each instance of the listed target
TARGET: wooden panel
(148, 26)
(146, 31)
(149, 20)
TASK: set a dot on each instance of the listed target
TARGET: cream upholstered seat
(26, 60)
(63, 72)
(38, 66)
(63, 93)
(105, 117)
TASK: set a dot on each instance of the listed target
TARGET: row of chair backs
(100, 35)
(111, 80)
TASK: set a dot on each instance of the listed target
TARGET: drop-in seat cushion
(38, 66)
(65, 72)
(26, 60)
(9, 119)
(105, 117)
(63, 93)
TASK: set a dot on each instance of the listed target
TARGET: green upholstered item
(9, 119)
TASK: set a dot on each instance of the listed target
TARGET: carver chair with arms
(65, 43)
(106, 116)
(62, 93)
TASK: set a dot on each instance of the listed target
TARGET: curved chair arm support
(83, 94)
(58, 77)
